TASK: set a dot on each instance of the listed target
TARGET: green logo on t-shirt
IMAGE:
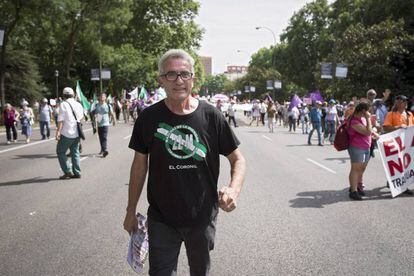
(181, 141)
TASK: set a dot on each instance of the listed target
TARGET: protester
(349, 110)
(360, 132)
(67, 135)
(45, 113)
(381, 107)
(231, 113)
(293, 117)
(262, 110)
(27, 120)
(255, 113)
(183, 175)
(10, 117)
(304, 118)
(330, 121)
(271, 111)
(125, 110)
(399, 118)
(315, 115)
(103, 114)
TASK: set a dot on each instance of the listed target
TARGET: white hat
(68, 91)
(44, 100)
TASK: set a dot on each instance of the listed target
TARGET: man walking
(70, 112)
(178, 141)
(103, 113)
(315, 115)
(45, 113)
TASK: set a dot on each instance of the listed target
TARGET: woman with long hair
(360, 134)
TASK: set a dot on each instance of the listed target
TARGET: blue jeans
(103, 137)
(317, 126)
(73, 145)
(330, 130)
(42, 129)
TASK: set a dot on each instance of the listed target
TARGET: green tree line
(374, 38)
(75, 36)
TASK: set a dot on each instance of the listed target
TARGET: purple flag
(315, 96)
(295, 101)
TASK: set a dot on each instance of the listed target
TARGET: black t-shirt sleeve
(138, 141)
(228, 141)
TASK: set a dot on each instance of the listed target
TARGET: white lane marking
(267, 138)
(83, 158)
(127, 137)
(320, 165)
(34, 143)
(32, 213)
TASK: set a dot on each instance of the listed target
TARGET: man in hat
(45, 113)
(70, 112)
(399, 118)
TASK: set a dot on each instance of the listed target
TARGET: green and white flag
(84, 101)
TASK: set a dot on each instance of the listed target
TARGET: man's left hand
(227, 199)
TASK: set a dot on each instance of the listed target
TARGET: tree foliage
(74, 36)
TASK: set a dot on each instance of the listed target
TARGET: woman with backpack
(360, 137)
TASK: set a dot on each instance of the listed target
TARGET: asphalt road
(294, 216)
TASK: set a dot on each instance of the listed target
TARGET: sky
(230, 25)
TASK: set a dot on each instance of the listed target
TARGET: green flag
(84, 101)
(143, 95)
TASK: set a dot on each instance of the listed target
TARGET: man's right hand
(130, 222)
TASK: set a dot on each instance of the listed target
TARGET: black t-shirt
(184, 161)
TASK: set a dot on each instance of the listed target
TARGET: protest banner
(397, 152)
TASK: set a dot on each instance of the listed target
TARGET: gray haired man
(178, 142)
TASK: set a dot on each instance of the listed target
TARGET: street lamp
(270, 30)
(57, 84)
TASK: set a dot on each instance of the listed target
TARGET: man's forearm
(238, 171)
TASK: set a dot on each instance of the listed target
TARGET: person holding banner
(398, 118)
(360, 133)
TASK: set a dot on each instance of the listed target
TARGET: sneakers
(105, 153)
(8, 142)
(76, 176)
(66, 176)
(320, 145)
(355, 195)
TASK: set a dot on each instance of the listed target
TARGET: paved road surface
(294, 215)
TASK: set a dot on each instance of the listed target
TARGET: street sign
(106, 74)
(246, 89)
(326, 70)
(1, 37)
(252, 89)
(94, 74)
(269, 85)
(341, 70)
(278, 84)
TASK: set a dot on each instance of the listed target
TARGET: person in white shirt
(293, 118)
(231, 113)
(67, 134)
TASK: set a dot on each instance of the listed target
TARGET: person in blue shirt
(315, 115)
(103, 114)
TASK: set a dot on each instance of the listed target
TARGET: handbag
(78, 125)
